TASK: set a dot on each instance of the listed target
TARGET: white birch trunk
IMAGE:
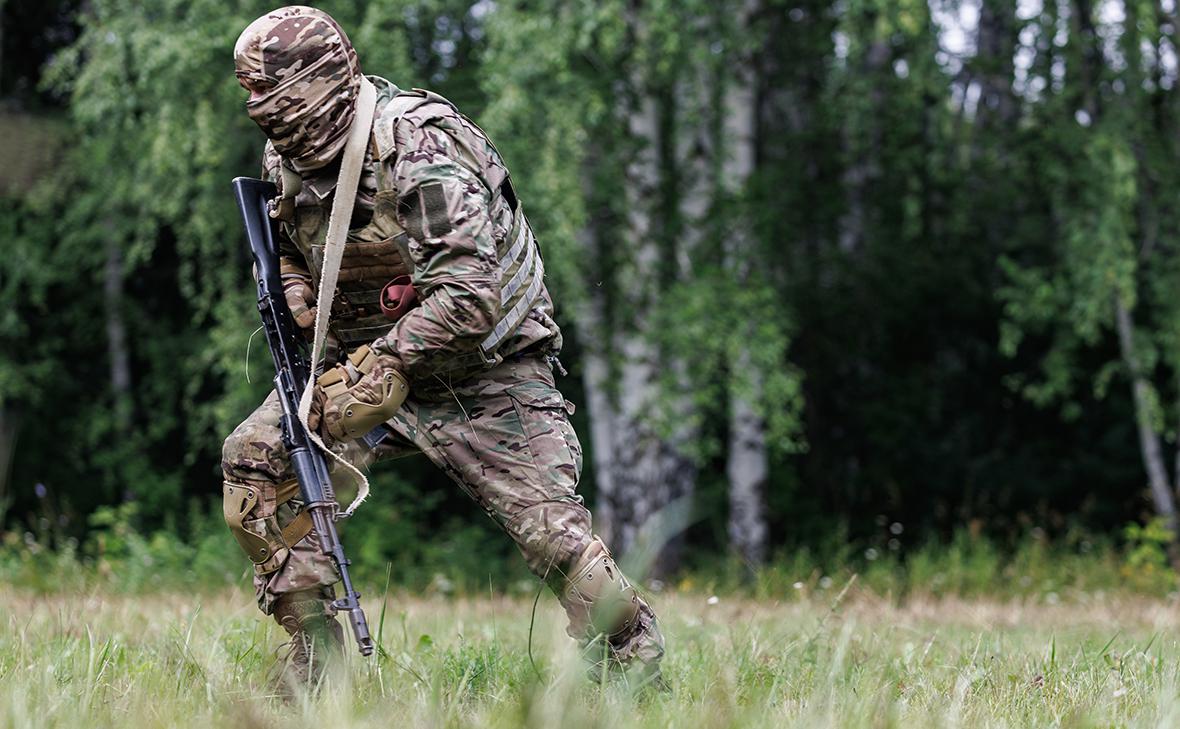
(602, 413)
(747, 465)
(864, 166)
(1149, 441)
(747, 468)
(619, 360)
(640, 473)
(118, 354)
(644, 465)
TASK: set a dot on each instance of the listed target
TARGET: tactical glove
(353, 398)
(298, 292)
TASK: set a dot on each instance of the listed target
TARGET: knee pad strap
(259, 534)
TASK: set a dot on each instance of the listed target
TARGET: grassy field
(182, 660)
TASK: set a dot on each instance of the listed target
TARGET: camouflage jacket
(450, 250)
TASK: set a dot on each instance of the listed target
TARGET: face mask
(308, 77)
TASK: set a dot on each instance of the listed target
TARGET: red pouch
(397, 298)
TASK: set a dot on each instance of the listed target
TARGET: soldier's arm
(445, 209)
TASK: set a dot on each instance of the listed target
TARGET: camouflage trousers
(504, 436)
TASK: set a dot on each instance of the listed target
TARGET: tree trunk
(862, 142)
(601, 409)
(995, 71)
(747, 469)
(747, 465)
(8, 431)
(644, 477)
(620, 357)
(646, 474)
(1149, 440)
(117, 352)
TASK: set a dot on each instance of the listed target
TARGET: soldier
(477, 348)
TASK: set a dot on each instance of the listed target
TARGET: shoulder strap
(338, 222)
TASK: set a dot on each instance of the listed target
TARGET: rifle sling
(338, 223)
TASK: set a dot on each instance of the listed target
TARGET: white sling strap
(338, 224)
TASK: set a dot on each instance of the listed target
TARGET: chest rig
(372, 256)
(377, 250)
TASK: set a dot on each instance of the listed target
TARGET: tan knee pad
(598, 598)
(254, 523)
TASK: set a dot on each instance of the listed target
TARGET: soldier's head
(303, 77)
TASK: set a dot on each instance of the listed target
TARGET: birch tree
(1105, 269)
(609, 206)
(747, 452)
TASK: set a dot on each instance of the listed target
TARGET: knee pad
(254, 523)
(598, 598)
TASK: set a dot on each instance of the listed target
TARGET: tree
(1109, 252)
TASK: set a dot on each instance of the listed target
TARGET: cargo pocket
(545, 418)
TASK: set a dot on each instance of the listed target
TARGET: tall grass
(132, 629)
(98, 659)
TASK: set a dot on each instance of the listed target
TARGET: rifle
(291, 373)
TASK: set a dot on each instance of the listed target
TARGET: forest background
(853, 285)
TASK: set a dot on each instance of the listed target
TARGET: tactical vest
(377, 252)
(371, 260)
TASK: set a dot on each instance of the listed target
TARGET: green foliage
(931, 247)
(466, 560)
(969, 566)
(1095, 267)
(1147, 557)
(191, 550)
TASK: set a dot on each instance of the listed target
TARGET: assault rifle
(292, 369)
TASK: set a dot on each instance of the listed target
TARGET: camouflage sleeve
(444, 208)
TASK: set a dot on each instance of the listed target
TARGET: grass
(178, 659)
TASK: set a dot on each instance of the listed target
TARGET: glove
(353, 398)
(298, 293)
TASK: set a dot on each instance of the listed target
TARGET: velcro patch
(434, 202)
(409, 209)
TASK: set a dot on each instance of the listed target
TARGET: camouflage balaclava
(307, 73)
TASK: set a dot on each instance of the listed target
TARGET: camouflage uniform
(435, 202)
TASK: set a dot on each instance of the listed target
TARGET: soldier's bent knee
(238, 453)
(251, 513)
(598, 598)
(254, 450)
(551, 534)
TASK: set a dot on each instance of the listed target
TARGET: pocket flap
(537, 395)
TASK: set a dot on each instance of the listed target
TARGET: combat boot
(631, 657)
(617, 628)
(317, 641)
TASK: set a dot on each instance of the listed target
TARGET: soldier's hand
(298, 292)
(315, 413)
(356, 397)
(300, 300)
